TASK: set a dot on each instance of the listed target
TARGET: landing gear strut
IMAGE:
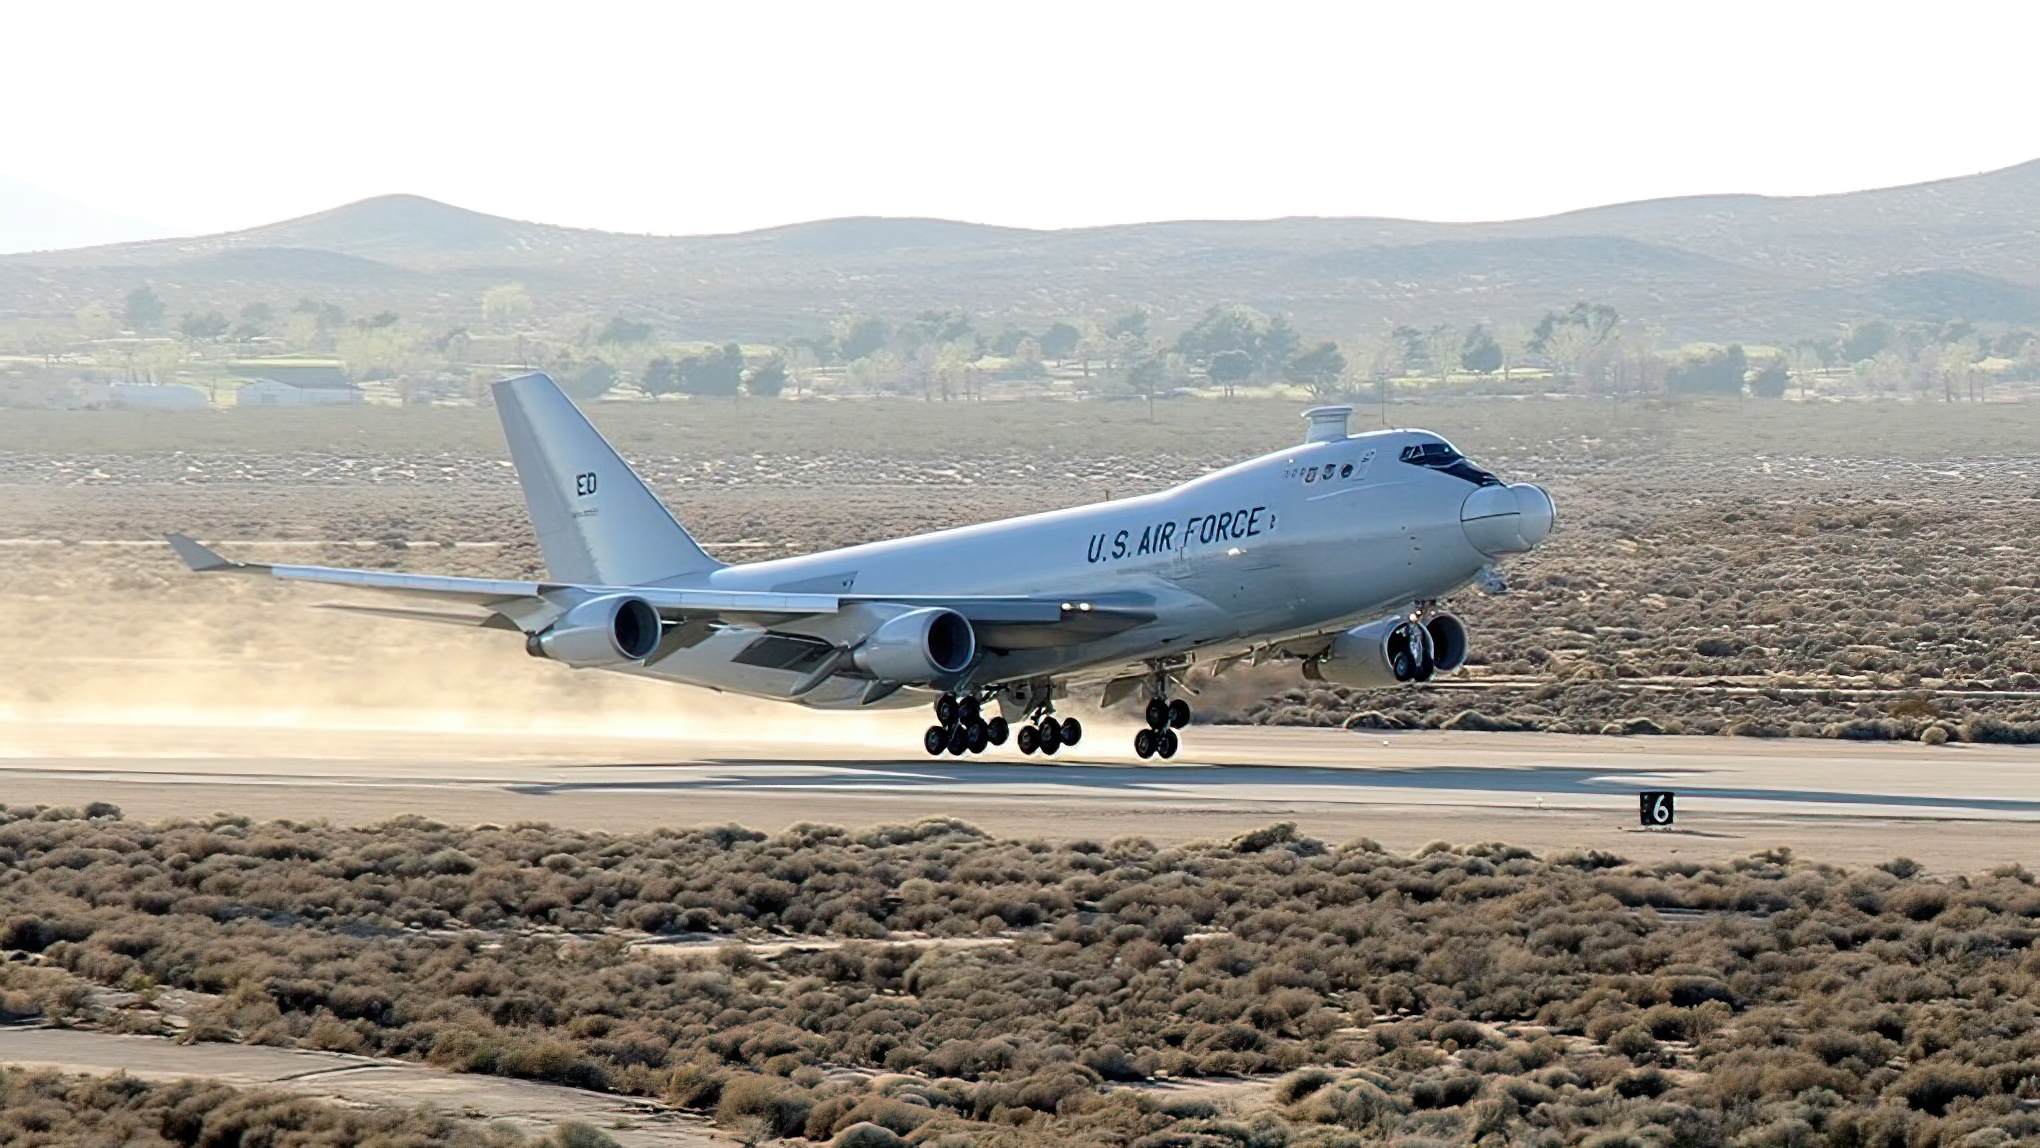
(1164, 717)
(959, 727)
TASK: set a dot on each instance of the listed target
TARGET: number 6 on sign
(1654, 808)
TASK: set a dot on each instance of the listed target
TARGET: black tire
(935, 740)
(1157, 713)
(1144, 744)
(1051, 736)
(967, 710)
(959, 740)
(1400, 665)
(1179, 714)
(945, 710)
(978, 737)
(996, 729)
(1072, 731)
(1166, 743)
(1029, 739)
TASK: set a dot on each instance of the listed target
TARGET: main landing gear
(1164, 718)
(1047, 735)
(959, 728)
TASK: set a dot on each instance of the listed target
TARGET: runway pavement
(1956, 806)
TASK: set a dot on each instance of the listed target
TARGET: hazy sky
(713, 117)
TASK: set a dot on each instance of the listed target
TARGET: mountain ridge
(1719, 264)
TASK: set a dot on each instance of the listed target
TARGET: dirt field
(356, 1081)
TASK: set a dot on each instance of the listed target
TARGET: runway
(1954, 806)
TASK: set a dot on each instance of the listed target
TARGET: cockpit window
(1441, 456)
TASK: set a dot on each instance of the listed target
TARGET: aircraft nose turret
(1509, 519)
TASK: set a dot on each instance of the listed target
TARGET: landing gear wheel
(1402, 665)
(1144, 744)
(1051, 736)
(1166, 743)
(1179, 714)
(936, 739)
(945, 710)
(959, 740)
(1157, 713)
(995, 731)
(967, 710)
(978, 736)
(1029, 739)
(1072, 731)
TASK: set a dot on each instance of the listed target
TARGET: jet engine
(608, 631)
(1449, 641)
(918, 646)
(1389, 652)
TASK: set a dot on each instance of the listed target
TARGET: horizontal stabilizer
(196, 556)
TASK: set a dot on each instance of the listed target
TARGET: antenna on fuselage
(1327, 424)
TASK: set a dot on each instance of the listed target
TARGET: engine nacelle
(1449, 641)
(1390, 652)
(918, 646)
(609, 631)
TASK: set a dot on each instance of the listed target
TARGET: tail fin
(597, 522)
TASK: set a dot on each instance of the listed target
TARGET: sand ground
(357, 1081)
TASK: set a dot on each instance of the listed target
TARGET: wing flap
(445, 617)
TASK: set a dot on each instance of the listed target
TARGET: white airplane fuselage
(1314, 538)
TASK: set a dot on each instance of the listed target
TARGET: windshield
(1441, 456)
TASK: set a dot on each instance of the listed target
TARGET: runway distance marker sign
(1656, 808)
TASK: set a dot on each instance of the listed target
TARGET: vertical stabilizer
(597, 521)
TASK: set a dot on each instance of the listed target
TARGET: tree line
(948, 354)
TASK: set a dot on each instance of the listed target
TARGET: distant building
(291, 368)
(309, 392)
(145, 396)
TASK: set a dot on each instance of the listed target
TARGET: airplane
(1335, 554)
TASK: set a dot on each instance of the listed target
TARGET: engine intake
(1390, 652)
(918, 646)
(1449, 641)
(608, 631)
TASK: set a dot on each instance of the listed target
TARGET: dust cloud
(126, 643)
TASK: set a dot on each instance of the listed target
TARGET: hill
(1732, 266)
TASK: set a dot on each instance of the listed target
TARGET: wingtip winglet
(196, 555)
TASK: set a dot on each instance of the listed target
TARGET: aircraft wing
(1001, 622)
(519, 600)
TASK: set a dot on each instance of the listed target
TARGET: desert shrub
(1783, 979)
(868, 1136)
(781, 1107)
(1300, 1084)
(575, 1134)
